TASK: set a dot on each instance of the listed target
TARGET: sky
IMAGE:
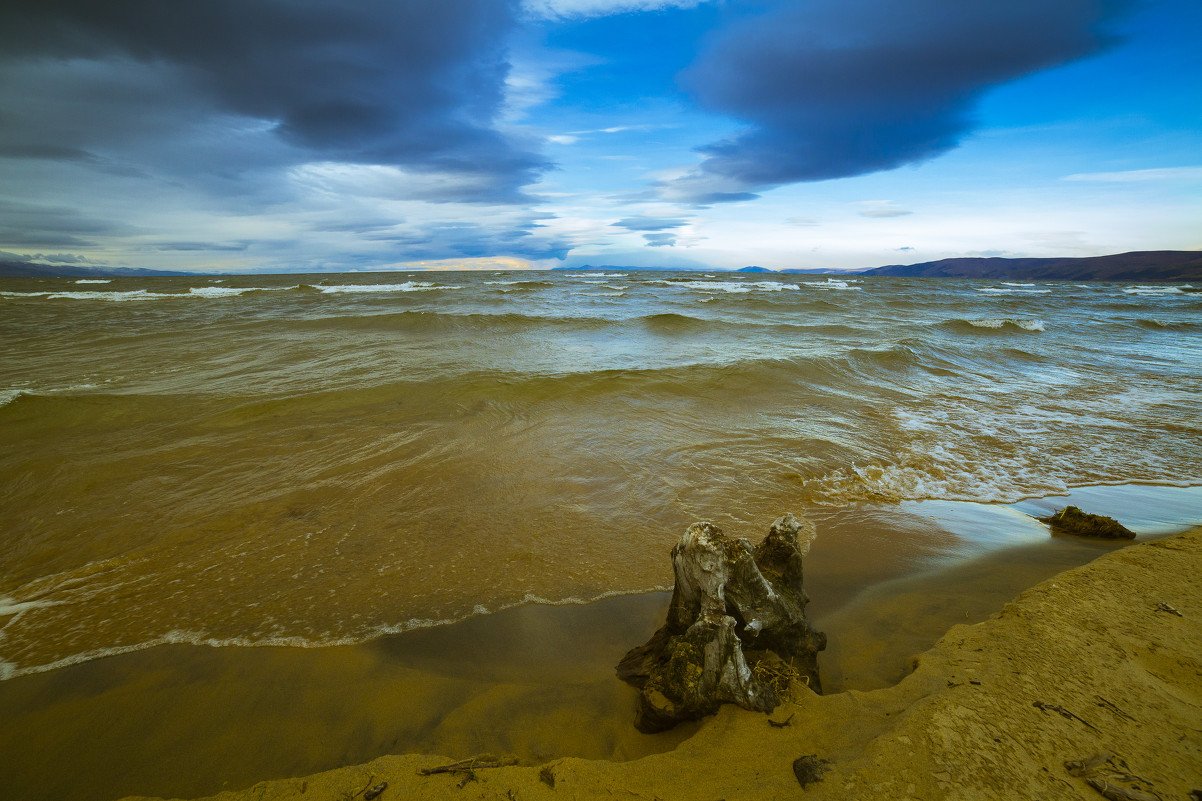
(314, 135)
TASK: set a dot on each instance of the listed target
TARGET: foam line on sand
(1086, 663)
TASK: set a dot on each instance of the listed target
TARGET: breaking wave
(995, 324)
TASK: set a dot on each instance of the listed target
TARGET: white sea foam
(1015, 283)
(738, 287)
(1157, 290)
(1026, 325)
(94, 281)
(531, 598)
(831, 283)
(230, 291)
(11, 606)
(985, 448)
(133, 294)
(10, 670)
(408, 286)
(1011, 290)
(947, 477)
(146, 294)
(7, 396)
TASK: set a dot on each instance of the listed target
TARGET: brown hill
(1148, 265)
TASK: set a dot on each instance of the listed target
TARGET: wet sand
(1081, 664)
(534, 681)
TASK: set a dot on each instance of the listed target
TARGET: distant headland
(1145, 265)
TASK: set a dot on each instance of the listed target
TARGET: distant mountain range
(34, 269)
(1147, 265)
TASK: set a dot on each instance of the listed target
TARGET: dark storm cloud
(837, 88)
(54, 258)
(45, 151)
(410, 84)
(29, 225)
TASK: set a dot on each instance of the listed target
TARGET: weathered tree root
(731, 606)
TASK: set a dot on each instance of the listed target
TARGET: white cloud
(558, 9)
(882, 208)
(385, 182)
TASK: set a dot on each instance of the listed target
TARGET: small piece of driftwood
(1104, 771)
(1163, 607)
(782, 723)
(1102, 702)
(470, 764)
(1116, 792)
(368, 791)
(1064, 713)
(1084, 767)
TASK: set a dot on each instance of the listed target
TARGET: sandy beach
(1082, 664)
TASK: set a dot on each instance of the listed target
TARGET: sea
(309, 462)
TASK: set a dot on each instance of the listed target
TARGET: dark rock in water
(728, 601)
(1071, 520)
(809, 769)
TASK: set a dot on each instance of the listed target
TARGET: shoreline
(521, 680)
(965, 723)
(939, 533)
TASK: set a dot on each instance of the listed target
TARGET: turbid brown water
(312, 465)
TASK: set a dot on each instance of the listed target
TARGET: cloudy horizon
(275, 135)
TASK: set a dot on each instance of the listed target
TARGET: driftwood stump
(731, 604)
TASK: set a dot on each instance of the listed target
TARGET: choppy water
(321, 459)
